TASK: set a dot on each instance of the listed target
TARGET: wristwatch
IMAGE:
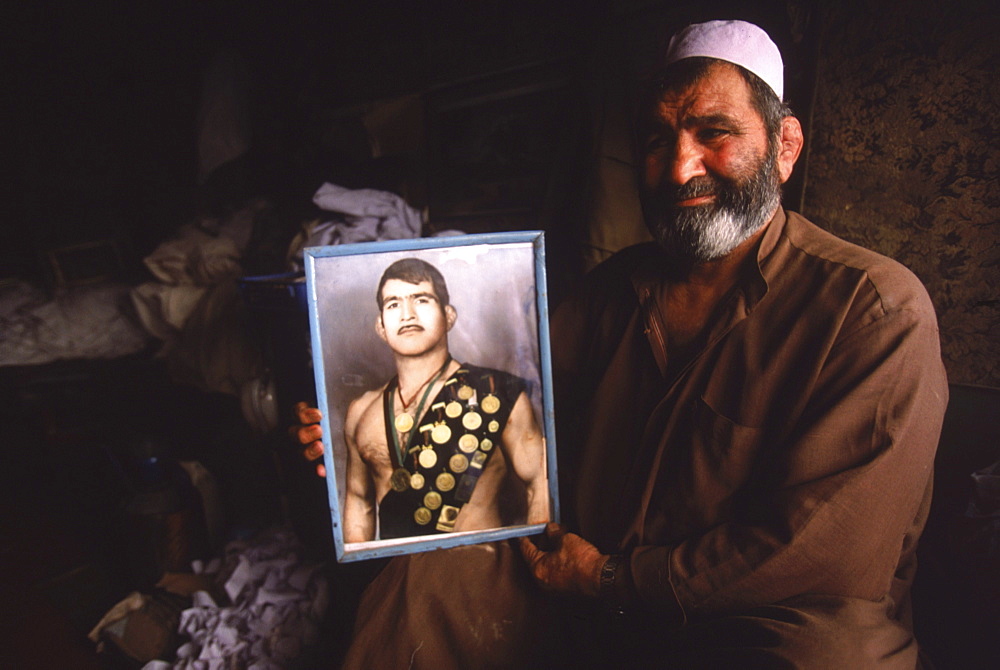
(610, 572)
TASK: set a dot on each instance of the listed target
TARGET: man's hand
(568, 564)
(310, 434)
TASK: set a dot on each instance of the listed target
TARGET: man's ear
(450, 315)
(790, 146)
(380, 328)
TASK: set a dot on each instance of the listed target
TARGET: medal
(468, 443)
(472, 420)
(445, 481)
(422, 516)
(478, 460)
(464, 392)
(416, 481)
(458, 463)
(400, 480)
(427, 458)
(494, 426)
(490, 404)
(453, 409)
(486, 444)
(404, 423)
(432, 500)
(441, 433)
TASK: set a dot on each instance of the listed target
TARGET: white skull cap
(737, 42)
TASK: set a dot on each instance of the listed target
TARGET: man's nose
(688, 160)
(407, 310)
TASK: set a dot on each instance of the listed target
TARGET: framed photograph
(432, 367)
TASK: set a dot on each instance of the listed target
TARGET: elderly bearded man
(748, 408)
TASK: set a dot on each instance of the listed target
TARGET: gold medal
(472, 420)
(453, 409)
(478, 460)
(486, 444)
(464, 392)
(468, 443)
(427, 458)
(422, 516)
(417, 481)
(400, 480)
(490, 404)
(432, 500)
(445, 481)
(494, 426)
(458, 463)
(441, 433)
(404, 423)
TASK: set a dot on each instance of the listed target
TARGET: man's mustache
(693, 188)
(399, 331)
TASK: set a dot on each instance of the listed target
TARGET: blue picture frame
(497, 284)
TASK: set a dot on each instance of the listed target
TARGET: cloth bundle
(276, 604)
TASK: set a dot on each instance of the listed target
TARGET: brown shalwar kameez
(768, 489)
(771, 491)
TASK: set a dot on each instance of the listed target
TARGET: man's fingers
(308, 434)
(313, 451)
(307, 414)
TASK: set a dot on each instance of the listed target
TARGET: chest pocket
(723, 451)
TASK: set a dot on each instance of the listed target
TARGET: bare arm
(359, 502)
(524, 448)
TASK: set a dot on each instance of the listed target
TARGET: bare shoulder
(361, 406)
(523, 411)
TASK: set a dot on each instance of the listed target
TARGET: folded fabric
(275, 604)
(366, 215)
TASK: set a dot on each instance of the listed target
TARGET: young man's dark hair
(414, 271)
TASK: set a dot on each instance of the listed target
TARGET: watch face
(609, 572)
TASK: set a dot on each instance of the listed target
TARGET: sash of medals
(447, 453)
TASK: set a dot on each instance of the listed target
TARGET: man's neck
(414, 371)
(693, 290)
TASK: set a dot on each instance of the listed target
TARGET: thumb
(554, 534)
(530, 552)
(555, 531)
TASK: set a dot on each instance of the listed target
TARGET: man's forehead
(399, 288)
(720, 94)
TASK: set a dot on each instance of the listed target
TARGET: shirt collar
(650, 271)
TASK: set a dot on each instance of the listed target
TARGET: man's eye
(655, 144)
(708, 134)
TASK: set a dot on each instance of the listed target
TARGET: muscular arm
(359, 501)
(525, 451)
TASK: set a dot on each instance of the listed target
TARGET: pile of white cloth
(276, 604)
(79, 322)
(359, 215)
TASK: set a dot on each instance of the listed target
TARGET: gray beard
(708, 232)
